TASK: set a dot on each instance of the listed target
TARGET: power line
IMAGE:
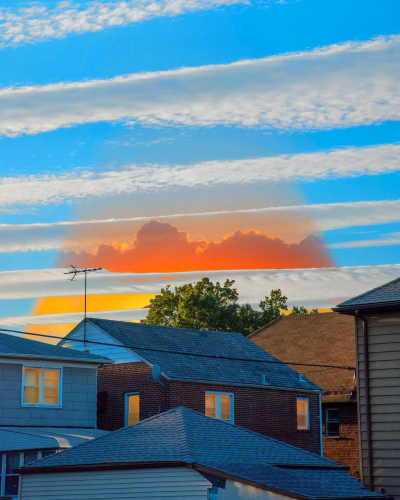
(184, 353)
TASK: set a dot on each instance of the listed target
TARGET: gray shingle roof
(183, 435)
(388, 293)
(12, 346)
(197, 346)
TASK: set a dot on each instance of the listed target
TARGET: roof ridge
(186, 438)
(267, 325)
(165, 326)
(267, 438)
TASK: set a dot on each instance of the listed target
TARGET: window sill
(332, 437)
(46, 407)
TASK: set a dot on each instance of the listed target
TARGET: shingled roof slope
(385, 294)
(323, 338)
(12, 346)
(183, 435)
(204, 355)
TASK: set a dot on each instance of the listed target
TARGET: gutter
(101, 361)
(256, 386)
(367, 399)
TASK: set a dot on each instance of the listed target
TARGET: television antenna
(74, 272)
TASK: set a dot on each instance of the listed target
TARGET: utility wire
(181, 352)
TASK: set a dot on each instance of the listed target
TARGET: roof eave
(56, 358)
(255, 386)
(351, 309)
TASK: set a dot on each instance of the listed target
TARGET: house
(183, 454)
(223, 375)
(377, 327)
(47, 403)
(325, 339)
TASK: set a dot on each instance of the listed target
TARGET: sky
(168, 140)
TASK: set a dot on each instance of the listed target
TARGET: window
(9, 462)
(332, 422)
(132, 404)
(220, 405)
(303, 420)
(41, 386)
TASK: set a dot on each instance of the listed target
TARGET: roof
(184, 436)
(43, 438)
(18, 347)
(385, 295)
(323, 338)
(200, 355)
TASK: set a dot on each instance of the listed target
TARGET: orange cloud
(162, 247)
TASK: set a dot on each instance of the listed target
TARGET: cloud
(88, 234)
(38, 23)
(385, 240)
(322, 288)
(162, 247)
(341, 85)
(36, 190)
(71, 318)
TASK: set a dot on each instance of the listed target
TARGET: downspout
(320, 425)
(367, 399)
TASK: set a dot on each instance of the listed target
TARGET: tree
(205, 306)
(303, 310)
(202, 306)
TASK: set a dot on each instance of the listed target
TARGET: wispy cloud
(35, 190)
(321, 288)
(341, 85)
(52, 236)
(385, 240)
(39, 22)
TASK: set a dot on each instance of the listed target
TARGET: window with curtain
(303, 420)
(132, 404)
(219, 405)
(41, 386)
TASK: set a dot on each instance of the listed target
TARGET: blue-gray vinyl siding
(79, 399)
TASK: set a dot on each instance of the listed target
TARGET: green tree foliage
(205, 306)
(303, 310)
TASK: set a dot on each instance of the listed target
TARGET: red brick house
(326, 339)
(223, 375)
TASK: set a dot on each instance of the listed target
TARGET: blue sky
(342, 99)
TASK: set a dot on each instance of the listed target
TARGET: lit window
(219, 405)
(332, 422)
(303, 421)
(132, 415)
(41, 386)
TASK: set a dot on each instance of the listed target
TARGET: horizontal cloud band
(51, 236)
(50, 189)
(342, 85)
(321, 288)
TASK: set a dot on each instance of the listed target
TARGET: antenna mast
(75, 271)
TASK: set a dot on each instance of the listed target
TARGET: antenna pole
(75, 271)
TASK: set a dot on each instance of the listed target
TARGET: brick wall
(267, 411)
(345, 448)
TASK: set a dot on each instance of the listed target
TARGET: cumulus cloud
(341, 85)
(53, 236)
(34, 190)
(162, 247)
(38, 22)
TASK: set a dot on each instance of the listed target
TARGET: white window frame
(127, 394)
(334, 421)
(41, 387)
(218, 407)
(308, 414)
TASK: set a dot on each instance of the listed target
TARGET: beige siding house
(377, 328)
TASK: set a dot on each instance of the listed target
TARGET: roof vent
(263, 380)
(301, 377)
